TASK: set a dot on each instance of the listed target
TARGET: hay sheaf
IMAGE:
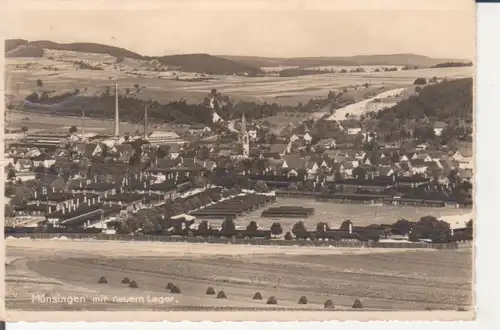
(175, 289)
(125, 280)
(303, 300)
(210, 290)
(357, 304)
(103, 280)
(133, 284)
(329, 304)
(272, 300)
(257, 296)
(221, 295)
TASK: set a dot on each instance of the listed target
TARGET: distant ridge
(221, 64)
(201, 63)
(357, 60)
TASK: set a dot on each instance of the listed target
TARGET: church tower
(244, 138)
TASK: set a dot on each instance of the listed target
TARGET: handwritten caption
(101, 299)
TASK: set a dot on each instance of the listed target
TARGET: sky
(247, 27)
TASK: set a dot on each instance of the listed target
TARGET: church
(244, 138)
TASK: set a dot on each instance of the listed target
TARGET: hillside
(205, 63)
(391, 59)
(202, 63)
(85, 47)
(437, 102)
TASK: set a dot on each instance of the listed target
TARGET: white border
(487, 180)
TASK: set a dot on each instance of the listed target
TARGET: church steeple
(244, 138)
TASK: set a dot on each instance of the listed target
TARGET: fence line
(150, 238)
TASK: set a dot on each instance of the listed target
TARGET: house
(424, 157)
(311, 167)
(280, 149)
(199, 129)
(421, 147)
(159, 137)
(32, 152)
(89, 150)
(438, 128)
(47, 138)
(25, 176)
(338, 168)
(175, 150)
(207, 164)
(433, 166)
(348, 168)
(463, 156)
(327, 143)
(306, 137)
(354, 130)
(385, 171)
(336, 155)
(43, 160)
(124, 152)
(21, 165)
(293, 162)
(360, 155)
(418, 166)
(466, 174)
(252, 134)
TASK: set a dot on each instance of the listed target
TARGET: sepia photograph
(197, 157)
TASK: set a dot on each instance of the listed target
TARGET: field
(360, 215)
(383, 279)
(38, 121)
(163, 87)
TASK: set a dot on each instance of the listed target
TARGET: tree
(12, 174)
(261, 186)
(420, 81)
(39, 82)
(73, 129)
(299, 227)
(199, 181)
(8, 211)
(345, 225)
(252, 226)
(24, 129)
(359, 173)
(276, 229)
(321, 227)
(203, 226)
(403, 226)
(228, 225)
(39, 171)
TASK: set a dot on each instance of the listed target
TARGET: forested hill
(437, 102)
(201, 63)
(208, 64)
(85, 47)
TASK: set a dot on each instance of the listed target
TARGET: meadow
(383, 279)
(163, 86)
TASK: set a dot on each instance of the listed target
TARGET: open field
(40, 121)
(162, 87)
(383, 279)
(360, 215)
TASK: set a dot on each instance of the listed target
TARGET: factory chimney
(117, 113)
(146, 122)
(83, 123)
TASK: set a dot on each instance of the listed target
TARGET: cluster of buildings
(165, 163)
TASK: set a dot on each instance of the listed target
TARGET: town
(175, 182)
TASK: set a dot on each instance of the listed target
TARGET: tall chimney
(83, 123)
(117, 113)
(146, 122)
